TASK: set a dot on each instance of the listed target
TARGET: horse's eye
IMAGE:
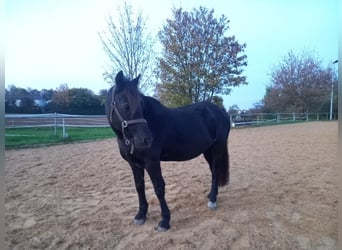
(125, 106)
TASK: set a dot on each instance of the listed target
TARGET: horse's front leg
(138, 173)
(154, 171)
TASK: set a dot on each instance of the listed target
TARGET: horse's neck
(154, 106)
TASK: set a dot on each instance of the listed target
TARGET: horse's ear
(135, 81)
(119, 79)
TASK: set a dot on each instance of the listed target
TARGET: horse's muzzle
(143, 141)
(148, 141)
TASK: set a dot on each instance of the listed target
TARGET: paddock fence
(259, 119)
(56, 120)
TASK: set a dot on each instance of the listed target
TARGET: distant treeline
(81, 101)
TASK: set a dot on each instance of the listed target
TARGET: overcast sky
(53, 42)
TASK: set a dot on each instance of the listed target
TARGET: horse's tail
(223, 168)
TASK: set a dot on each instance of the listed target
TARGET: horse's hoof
(212, 205)
(139, 221)
(161, 229)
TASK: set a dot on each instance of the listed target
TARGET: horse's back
(188, 131)
(206, 114)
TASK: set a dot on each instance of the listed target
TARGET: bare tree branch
(129, 47)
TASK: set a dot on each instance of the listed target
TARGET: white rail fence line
(273, 118)
(64, 120)
(54, 120)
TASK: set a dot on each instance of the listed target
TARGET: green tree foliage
(234, 109)
(103, 96)
(299, 83)
(129, 47)
(47, 93)
(199, 61)
(26, 105)
(218, 100)
(83, 101)
(62, 100)
(20, 100)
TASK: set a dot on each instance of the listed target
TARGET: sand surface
(282, 195)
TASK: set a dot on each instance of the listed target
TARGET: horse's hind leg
(212, 161)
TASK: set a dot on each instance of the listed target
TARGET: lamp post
(332, 92)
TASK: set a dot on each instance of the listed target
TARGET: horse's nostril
(148, 141)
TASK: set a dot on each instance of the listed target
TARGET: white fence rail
(54, 120)
(273, 118)
(64, 120)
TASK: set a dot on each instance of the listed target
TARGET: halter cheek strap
(124, 123)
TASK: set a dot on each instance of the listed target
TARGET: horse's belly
(177, 157)
(183, 152)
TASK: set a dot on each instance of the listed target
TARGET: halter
(124, 123)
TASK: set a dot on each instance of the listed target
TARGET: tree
(299, 83)
(129, 47)
(258, 107)
(17, 93)
(83, 101)
(103, 96)
(47, 94)
(60, 99)
(80, 101)
(199, 61)
(18, 100)
(27, 105)
(218, 100)
(234, 109)
(7, 101)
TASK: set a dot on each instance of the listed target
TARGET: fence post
(55, 123)
(64, 136)
(278, 117)
(307, 116)
(294, 117)
(317, 117)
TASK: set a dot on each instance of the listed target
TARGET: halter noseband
(124, 123)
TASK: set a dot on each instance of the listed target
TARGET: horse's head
(126, 113)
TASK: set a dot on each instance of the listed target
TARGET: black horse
(148, 132)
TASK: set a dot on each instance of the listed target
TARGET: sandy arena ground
(282, 195)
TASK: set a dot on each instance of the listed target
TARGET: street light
(332, 91)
